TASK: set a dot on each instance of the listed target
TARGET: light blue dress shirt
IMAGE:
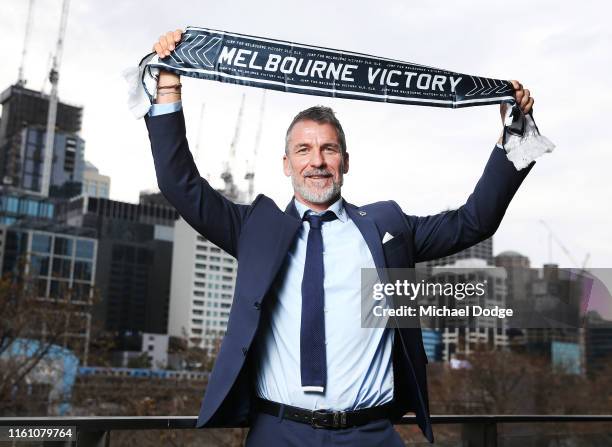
(359, 360)
(162, 109)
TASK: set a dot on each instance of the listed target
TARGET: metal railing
(94, 431)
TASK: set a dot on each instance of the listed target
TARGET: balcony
(469, 430)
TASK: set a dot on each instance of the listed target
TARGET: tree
(31, 328)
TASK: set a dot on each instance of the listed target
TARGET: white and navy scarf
(297, 68)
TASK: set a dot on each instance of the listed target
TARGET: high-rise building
(203, 281)
(134, 260)
(19, 206)
(94, 183)
(61, 262)
(519, 273)
(597, 344)
(482, 250)
(22, 139)
(462, 335)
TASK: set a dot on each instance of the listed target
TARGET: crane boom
(230, 186)
(52, 115)
(28, 28)
(552, 236)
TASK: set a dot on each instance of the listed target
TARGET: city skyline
(101, 43)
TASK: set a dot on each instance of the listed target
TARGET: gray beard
(327, 195)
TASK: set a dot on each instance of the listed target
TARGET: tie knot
(316, 220)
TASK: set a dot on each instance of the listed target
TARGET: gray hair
(321, 115)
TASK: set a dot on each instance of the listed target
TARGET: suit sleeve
(206, 210)
(449, 232)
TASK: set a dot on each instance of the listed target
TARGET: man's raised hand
(522, 96)
(167, 42)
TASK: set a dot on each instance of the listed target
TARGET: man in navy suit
(295, 364)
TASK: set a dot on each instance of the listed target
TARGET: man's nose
(316, 158)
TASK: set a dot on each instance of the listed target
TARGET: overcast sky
(427, 159)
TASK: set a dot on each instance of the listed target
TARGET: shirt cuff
(163, 109)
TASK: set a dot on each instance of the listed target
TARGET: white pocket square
(386, 238)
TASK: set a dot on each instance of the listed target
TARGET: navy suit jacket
(259, 235)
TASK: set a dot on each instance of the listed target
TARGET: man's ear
(346, 162)
(286, 166)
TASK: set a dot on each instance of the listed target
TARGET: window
(103, 191)
(82, 270)
(63, 246)
(12, 204)
(41, 287)
(40, 265)
(41, 243)
(32, 208)
(59, 289)
(61, 268)
(84, 249)
(81, 292)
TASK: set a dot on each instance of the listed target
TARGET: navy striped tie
(313, 360)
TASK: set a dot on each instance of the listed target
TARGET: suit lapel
(291, 210)
(366, 226)
(370, 233)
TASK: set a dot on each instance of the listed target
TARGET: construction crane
(53, 100)
(21, 81)
(230, 187)
(250, 171)
(553, 237)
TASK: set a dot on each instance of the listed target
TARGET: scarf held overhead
(297, 68)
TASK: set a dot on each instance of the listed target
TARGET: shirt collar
(337, 208)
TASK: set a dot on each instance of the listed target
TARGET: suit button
(257, 305)
(244, 350)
